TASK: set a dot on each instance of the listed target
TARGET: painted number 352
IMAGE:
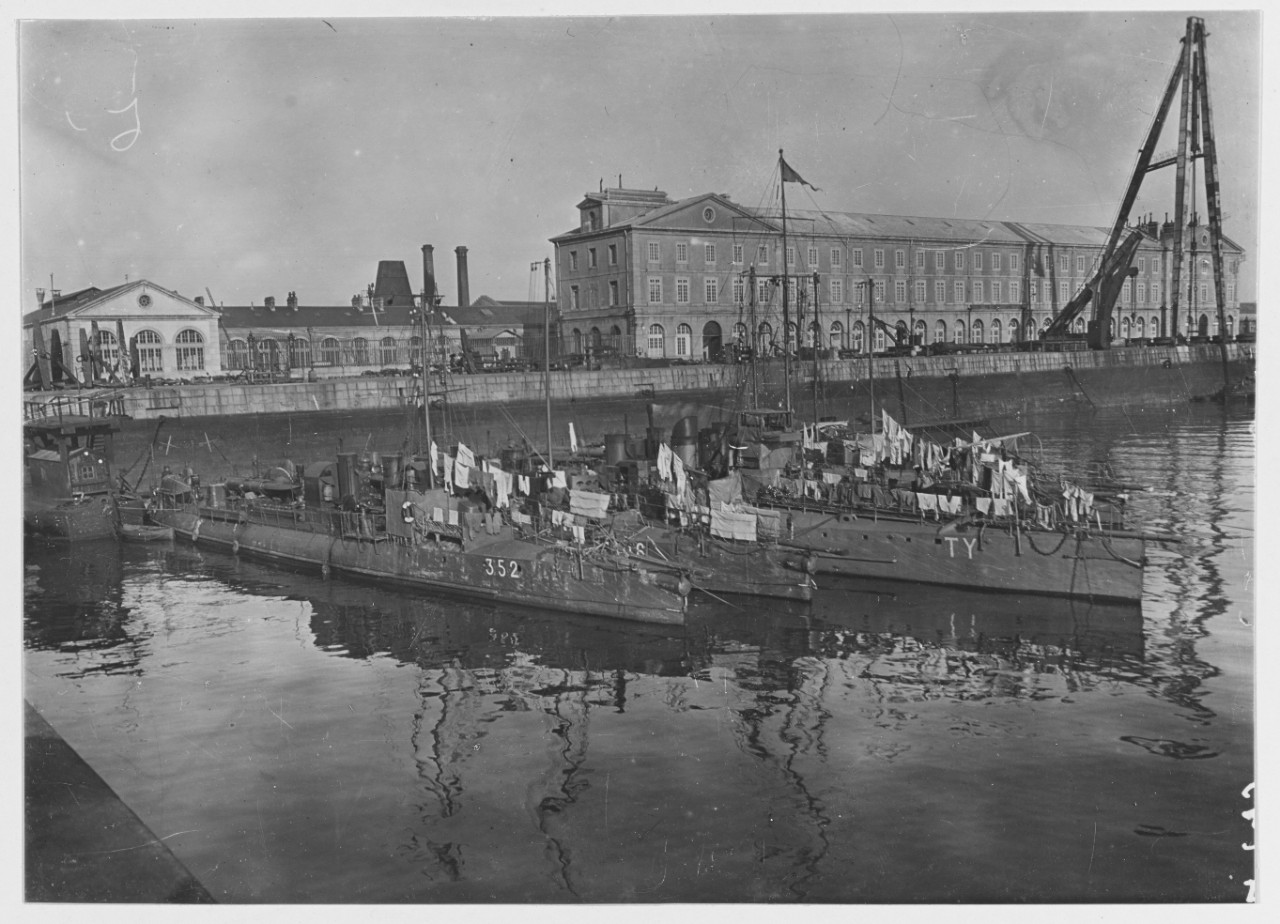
(502, 568)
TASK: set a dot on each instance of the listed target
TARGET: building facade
(134, 330)
(660, 278)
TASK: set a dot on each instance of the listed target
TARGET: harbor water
(300, 740)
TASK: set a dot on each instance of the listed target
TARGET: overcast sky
(255, 157)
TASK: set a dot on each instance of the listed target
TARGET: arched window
(151, 351)
(387, 351)
(712, 342)
(978, 332)
(415, 350)
(577, 340)
(657, 341)
(940, 332)
(791, 337)
(268, 354)
(1154, 326)
(237, 354)
(1079, 324)
(859, 334)
(764, 339)
(836, 339)
(615, 338)
(1231, 327)
(189, 351)
(740, 334)
(330, 351)
(814, 336)
(996, 331)
(920, 334)
(878, 338)
(299, 353)
(360, 351)
(595, 338)
(958, 333)
(1124, 329)
(1140, 328)
(1013, 330)
(108, 348)
(684, 339)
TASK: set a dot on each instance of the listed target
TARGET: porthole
(708, 214)
(144, 300)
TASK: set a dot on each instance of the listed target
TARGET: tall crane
(1195, 142)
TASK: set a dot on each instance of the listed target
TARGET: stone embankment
(919, 386)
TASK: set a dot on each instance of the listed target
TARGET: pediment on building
(709, 212)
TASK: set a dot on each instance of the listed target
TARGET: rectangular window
(762, 254)
(857, 257)
(613, 254)
(1062, 262)
(709, 254)
(977, 259)
(1013, 262)
(899, 259)
(591, 257)
(1034, 290)
(835, 257)
(939, 260)
(1142, 264)
(613, 292)
(859, 293)
(682, 253)
(655, 290)
(900, 290)
(919, 259)
(573, 298)
(939, 292)
(737, 254)
(879, 258)
(682, 290)
(1155, 292)
(880, 291)
(1204, 294)
(813, 258)
(837, 289)
(709, 291)
(654, 255)
(762, 291)
(791, 257)
(996, 290)
(1015, 292)
(959, 259)
(1079, 264)
(978, 295)
(1142, 293)
(573, 259)
(739, 290)
(1124, 295)
(1155, 264)
(1064, 292)
(959, 293)
(791, 291)
(922, 291)
(995, 262)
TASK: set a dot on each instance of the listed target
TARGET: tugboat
(68, 454)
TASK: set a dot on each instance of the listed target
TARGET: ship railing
(62, 406)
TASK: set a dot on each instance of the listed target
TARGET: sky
(253, 157)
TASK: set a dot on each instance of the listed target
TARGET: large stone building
(649, 276)
(138, 329)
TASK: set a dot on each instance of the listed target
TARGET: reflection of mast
(563, 781)
(434, 758)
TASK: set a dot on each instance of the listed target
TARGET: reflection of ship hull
(513, 571)
(91, 518)
(937, 614)
(992, 560)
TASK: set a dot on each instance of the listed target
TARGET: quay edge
(913, 388)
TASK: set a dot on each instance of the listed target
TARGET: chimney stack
(428, 274)
(270, 302)
(464, 286)
(292, 300)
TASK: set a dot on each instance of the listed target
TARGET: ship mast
(546, 349)
(786, 308)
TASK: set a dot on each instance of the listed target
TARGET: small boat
(143, 532)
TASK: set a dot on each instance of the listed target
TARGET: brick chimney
(464, 286)
(270, 302)
(428, 273)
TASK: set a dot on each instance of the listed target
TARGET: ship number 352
(502, 568)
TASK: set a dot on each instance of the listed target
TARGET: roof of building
(962, 231)
(82, 298)
(484, 312)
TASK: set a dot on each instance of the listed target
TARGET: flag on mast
(790, 176)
